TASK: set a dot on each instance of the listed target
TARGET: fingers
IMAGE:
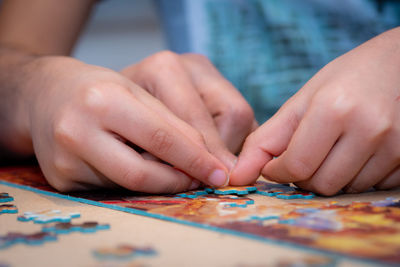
(342, 164)
(308, 147)
(231, 112)
(378, 166)
(143, 127)
(173, 86)
(391, 181)
(269, 140)
(127, 168)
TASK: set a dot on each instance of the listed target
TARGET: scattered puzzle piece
(8, 208)
(38, 238)
(47, 216)
(4, 197)
(123, 252)
(86, 227)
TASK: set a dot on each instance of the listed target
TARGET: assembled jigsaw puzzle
(363, 230)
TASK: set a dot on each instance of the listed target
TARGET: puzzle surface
(368, 230)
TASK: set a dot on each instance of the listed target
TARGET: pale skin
(163, 125)
(340, 131)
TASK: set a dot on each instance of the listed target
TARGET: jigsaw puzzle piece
(282, 191)
(240, 205)
(48, 216)
(296, 195)
(123, 252)
(263, 218)
(5, 197)
(67, 227)
(232, 190)
(8, 208)
(13, 238)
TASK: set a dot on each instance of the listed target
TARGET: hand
(85, 122)
(192, 88)
(340, 131)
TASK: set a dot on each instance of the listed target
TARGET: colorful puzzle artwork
(123, 252)
(67, 227)
(38, 238)
(47, 216)
(366, 230)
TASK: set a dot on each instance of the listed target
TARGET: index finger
(144, 127)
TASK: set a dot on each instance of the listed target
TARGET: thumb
(269, 140)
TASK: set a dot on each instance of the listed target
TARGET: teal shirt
(269, 49)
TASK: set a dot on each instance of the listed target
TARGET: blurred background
(119, 33)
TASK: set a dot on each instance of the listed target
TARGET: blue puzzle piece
(282, 191)
(86, 227)
(263, 218)
(4, 197)
(293, 195)
(38, 238)
(48, 216)
(237, 205)
(8, 208)
(232, 190)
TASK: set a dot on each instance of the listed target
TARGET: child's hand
(85, 121)
(340, 131)
(192, 88)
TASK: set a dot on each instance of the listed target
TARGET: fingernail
(218, 178)
(195, 184)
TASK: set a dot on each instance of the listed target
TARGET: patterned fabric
(269, 49)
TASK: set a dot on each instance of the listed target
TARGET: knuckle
(252, 139)
(172, 187)
(199, 139)
(95, 99)
(61, 184)
(161, 142)
(327, 188)
(134, 178)
(298, 169)
(63, 131)
(197, 57)
(240, 114)
(62, 165)
(195, 165)
(337, 105)
(382, 126)
(164, 58)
